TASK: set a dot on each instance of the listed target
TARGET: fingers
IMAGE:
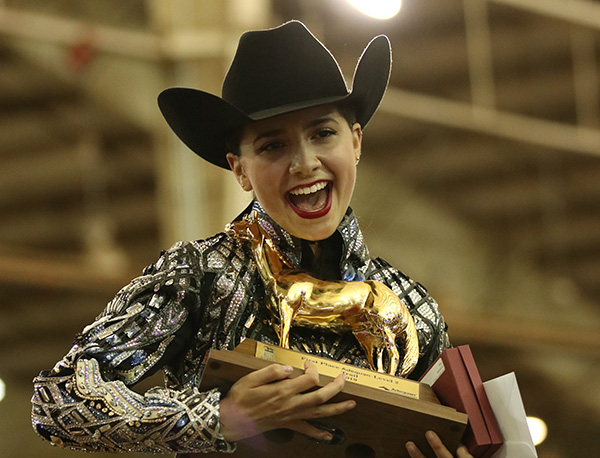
(310, 380)
(438, 448)
(268, 399)
(328, 410)
(295, 403)
(413, 451)
(310, 430)
(325, 393)
(266, 375)
(462, 452)
(276, 372)
(436, 444)
(306, 381)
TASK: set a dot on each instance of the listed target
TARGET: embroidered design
(156, 311)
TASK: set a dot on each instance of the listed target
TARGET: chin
(316, 232)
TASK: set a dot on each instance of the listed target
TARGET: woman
(291, 133)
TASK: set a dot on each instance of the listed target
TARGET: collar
(355, 261)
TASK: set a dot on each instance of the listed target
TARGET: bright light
(2, 389)
(379, 9)
(537, 429)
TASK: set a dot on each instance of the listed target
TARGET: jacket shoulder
(205, 255)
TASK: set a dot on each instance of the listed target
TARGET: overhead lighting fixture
(537, 429)
(379, 9)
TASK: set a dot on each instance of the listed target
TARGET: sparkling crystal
(132, 329)
(138, 357)
(113, 339)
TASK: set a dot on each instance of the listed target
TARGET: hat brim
(203, 121)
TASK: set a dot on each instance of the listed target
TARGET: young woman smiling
(291, 133)
(301, 167)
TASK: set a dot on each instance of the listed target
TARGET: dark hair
(233, 139)
(348, 112)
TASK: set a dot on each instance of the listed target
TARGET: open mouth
(312, 200)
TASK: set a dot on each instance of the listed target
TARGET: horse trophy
(369, 309)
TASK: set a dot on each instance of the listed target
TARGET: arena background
(480, 176)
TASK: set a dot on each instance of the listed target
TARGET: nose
(304, 160)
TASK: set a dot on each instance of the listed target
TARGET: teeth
(309, 189)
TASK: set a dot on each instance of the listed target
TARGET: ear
(357, 140)
(236, 167)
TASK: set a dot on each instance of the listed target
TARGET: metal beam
(461, 115)
(585, 73)
(580, 12)
(73, 273)
(509, 332)
(185, 44)
(479, 49)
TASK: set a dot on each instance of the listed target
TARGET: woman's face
(301, 167)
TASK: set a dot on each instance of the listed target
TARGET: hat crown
(279, 67)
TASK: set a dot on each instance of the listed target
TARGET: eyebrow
(267, 134)
(310, 124)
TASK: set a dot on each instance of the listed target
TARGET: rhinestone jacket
(198, 295)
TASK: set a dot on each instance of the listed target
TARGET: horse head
(247, 228)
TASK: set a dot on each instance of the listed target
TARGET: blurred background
(480, 176)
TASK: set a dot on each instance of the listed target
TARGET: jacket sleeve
(86, 401)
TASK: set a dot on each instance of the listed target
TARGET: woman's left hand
(438, 448)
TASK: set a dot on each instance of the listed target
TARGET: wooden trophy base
(378, 427)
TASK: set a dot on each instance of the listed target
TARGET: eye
(325, 133)
(271, 146)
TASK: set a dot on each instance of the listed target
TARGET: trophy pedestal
(378, 427)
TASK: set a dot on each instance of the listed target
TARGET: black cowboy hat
(274, 71)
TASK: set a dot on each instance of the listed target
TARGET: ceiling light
(537, 429)
(379, 9)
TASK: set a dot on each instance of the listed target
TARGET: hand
(438, 448)
(268, 399)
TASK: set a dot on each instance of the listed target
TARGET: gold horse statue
(369, 309)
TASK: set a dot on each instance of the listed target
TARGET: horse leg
(392, 350)
(385, 346)
(368, 342)
(286, 315)
(382, 346)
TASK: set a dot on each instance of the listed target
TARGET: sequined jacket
(198, 295)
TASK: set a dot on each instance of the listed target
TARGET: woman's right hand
(269, 399)
(438, 448)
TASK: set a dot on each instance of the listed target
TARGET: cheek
(347, 167)
(264, 178)
(349, 181)
(350, 184)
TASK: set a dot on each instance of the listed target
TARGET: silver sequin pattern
(198, 295)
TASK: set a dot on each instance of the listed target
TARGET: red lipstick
(317, 213)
